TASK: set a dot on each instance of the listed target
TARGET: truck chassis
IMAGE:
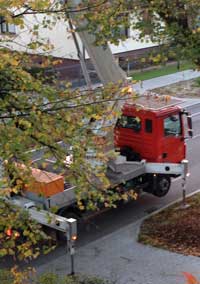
(153, 178)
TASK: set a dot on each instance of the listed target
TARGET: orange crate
(45, 183)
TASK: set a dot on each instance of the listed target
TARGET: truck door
(128, 132)
(173, 148)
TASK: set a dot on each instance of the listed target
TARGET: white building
(63, 46)
(60, 37)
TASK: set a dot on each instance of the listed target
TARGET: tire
(130, 154)
(162, 186)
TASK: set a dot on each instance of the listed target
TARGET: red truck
(150, 135)
(152, 128)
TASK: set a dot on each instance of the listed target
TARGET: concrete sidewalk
(120, 258)
(165, 80)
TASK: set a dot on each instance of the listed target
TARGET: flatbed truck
(150, 137)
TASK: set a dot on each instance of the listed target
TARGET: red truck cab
(151, 128)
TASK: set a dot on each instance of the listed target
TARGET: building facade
(128, 53)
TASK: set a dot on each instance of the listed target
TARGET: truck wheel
(162, 185)
(130, 154)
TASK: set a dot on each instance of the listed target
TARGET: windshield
(172, 125)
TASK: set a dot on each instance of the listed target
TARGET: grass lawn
(174, 229)
(161, 71)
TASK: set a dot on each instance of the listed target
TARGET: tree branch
(50, 111)
(29, 11)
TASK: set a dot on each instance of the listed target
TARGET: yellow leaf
(15, 62)
(190, 278)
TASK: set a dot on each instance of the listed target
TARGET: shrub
(6, 276)
(51, 278)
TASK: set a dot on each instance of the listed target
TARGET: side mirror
(189, 122)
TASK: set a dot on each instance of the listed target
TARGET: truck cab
(151, 128)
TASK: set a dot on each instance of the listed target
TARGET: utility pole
(71, 239)
(184, 204)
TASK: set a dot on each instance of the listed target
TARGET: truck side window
(133, 122)
(148, 125)
(172, 125)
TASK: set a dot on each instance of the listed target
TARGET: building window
(5, 27)
(124, 32)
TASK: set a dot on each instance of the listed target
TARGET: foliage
(14, 276)
(36, 113)
(173, 25)
(6, 277)
(19, 235)
(50, 278)
(174, 229)
(11, 276)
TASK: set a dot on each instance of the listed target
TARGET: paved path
(165, 80)
(121, 258)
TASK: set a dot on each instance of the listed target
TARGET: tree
(173, 25)
(35, 113)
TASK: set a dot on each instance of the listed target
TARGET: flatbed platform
(120, 170)
(152, 101)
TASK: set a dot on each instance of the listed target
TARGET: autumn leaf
(190, 278)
